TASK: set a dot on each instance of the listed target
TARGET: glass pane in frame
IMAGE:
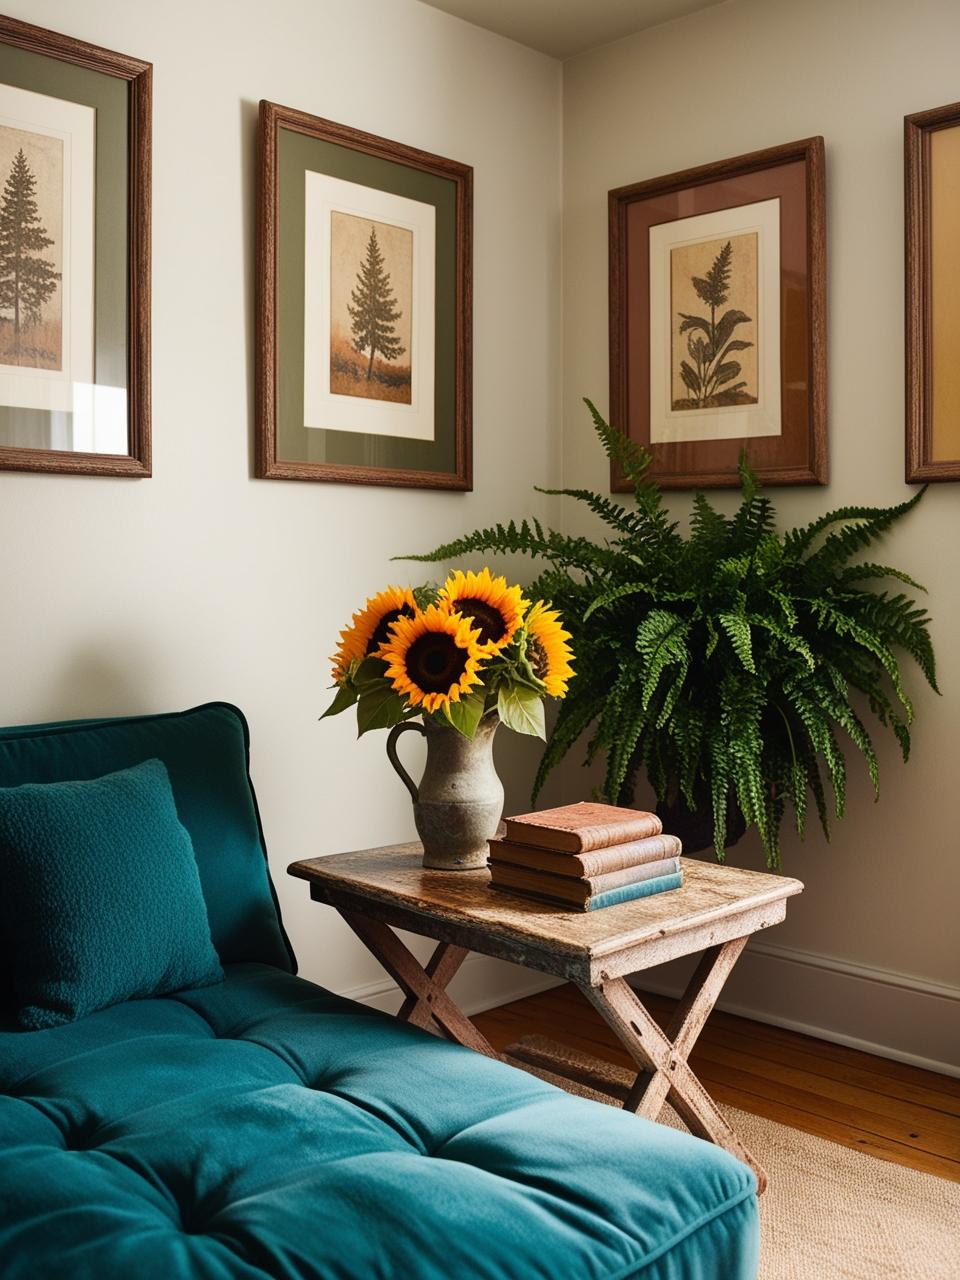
(87, 412)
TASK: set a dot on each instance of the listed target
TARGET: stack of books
(584, 856)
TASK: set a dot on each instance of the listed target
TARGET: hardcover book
(611, 897)
(582, 827)
(583, 866)
(579, 892)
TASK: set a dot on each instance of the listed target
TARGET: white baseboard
(482, 983)
(894, 1015)
(879, 1011)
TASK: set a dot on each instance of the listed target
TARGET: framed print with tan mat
(932, 158)
(717, 319)
(365, 296)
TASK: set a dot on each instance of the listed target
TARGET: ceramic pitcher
(458, 804)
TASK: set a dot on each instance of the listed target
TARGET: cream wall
(871, 951)
(202, 583)
(127, 596)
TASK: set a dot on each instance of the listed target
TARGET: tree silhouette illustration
(27, 280)
(373, 309)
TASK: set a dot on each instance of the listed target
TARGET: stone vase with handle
(459, 801)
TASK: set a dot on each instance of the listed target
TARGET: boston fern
(730, 663)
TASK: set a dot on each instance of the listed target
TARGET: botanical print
(31, 249)
(371, 308)
(713, 288)
(369, 298)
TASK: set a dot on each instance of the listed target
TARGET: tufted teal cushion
(263, 1128)
(101, 899)
(206, 754)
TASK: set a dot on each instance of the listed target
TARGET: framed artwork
(932, 189)
(365, 302)
(74, 255)
(718, 319)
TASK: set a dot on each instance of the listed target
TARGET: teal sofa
(264, 1127)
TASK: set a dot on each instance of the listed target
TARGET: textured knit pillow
(100, 899)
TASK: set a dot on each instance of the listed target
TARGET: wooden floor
(894, 1111)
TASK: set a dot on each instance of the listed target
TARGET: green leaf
(465, 715)
(345, 697)
(521, 709)
(370, 671)
(379, 708)
(738, 632)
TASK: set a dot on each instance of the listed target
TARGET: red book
(580, 828)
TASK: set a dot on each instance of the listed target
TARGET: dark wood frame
(811, 152)
(272, 118)
(139, 76)
(918, 263)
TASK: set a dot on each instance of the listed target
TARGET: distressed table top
(714, 903)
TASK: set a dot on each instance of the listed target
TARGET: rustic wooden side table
(715, 912)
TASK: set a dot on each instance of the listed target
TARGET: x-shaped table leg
(666, 1075)
(424, 988)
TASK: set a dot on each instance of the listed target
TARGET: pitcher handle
(392, 738)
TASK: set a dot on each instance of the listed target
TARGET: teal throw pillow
(100, 899)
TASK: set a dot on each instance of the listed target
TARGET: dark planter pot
(694, 827)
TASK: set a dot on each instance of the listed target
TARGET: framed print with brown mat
(718, 317)
(932, 187)
(74, 255)
(365, 298)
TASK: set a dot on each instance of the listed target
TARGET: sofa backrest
(206, 752)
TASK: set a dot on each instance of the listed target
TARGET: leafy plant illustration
(710, 342)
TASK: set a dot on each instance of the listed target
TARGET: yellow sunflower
(495, 609)
(547, 650)
(370, 626)
(432, 658)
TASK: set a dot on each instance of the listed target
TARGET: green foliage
(732, 662)
(521, 710)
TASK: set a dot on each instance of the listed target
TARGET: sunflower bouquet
(456, 653)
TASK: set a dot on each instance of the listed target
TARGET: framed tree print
(717, 319)
(364, 341)
(932, 188)
(74, 255)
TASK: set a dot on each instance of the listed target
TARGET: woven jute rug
(829, 1213)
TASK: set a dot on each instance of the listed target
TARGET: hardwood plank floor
(890, 1109)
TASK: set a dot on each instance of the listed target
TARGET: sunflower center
(434, 662)
(537, 657)
(382, 632)
(485, 616)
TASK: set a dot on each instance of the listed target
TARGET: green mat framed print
(364, 310)
(74, 255)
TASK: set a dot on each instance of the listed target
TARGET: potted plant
(728, 663)
(452, 663)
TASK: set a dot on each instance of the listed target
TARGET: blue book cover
(642, 889)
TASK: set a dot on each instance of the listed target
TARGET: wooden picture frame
(931, 149)
(88, 389)
(750, 234)
(345, 413)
